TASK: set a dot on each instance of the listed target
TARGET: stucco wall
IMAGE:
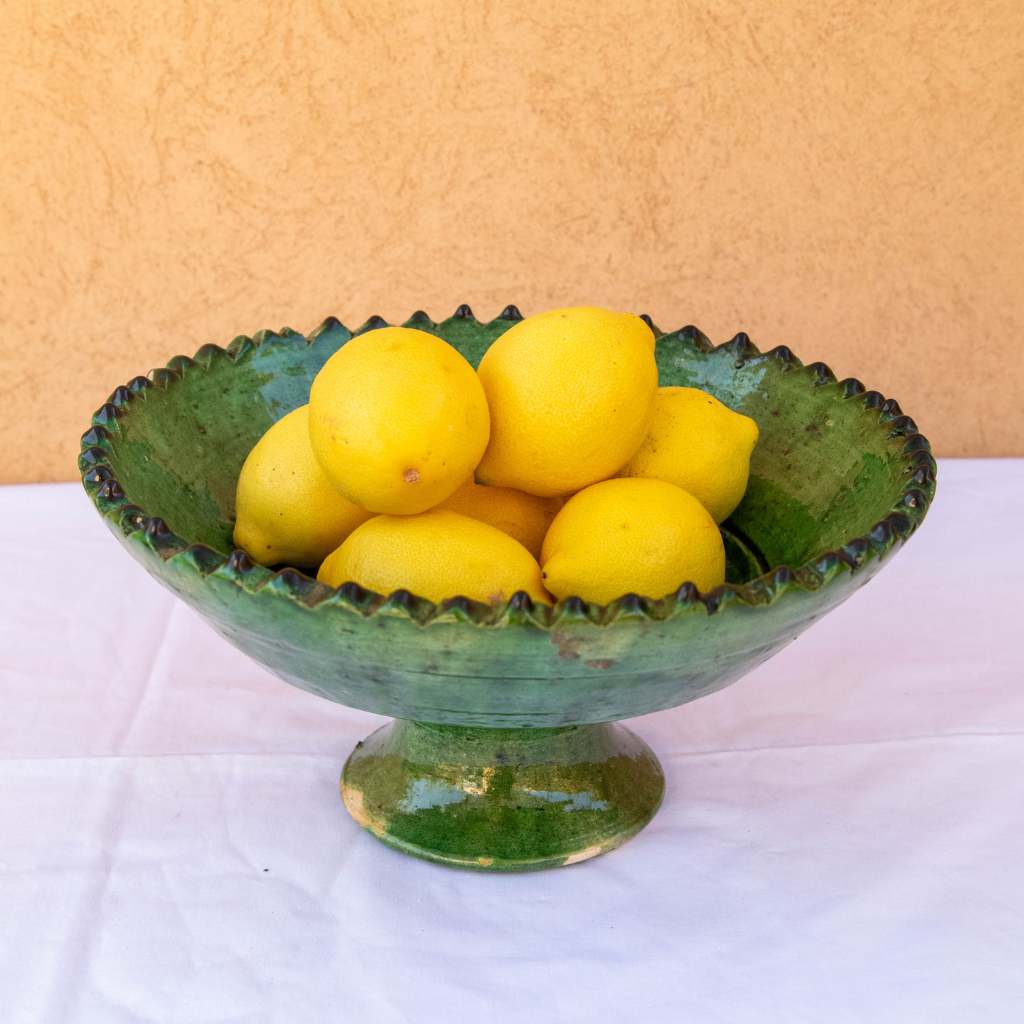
(843, 178)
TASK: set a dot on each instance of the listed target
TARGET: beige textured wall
(844, 178)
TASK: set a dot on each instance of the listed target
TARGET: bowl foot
(502, 799)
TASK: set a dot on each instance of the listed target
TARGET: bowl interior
(831, 461)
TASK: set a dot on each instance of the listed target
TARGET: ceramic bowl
(504, 754)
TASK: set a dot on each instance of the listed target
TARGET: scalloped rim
(891, 531)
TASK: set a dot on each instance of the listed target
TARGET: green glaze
(502, 799)
(839, 480)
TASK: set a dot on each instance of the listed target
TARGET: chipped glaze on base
(524, 799)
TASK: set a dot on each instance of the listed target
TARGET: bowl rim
(889, 533)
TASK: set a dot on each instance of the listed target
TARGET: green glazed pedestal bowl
(505, 753)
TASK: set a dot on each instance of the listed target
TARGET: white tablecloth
(841, 838)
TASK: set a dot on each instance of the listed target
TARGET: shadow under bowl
(503, 756)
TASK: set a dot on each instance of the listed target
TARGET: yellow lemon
(397, 420)
(635, 536)
(698, 444)
(570, 394)
(525, 517)
(285, 508)
(437, 555)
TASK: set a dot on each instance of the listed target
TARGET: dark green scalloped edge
(891, 531)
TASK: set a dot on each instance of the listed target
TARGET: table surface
(840, 839)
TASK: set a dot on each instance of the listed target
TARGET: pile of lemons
(558, 468)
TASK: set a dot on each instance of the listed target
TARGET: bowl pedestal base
(502, 799)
